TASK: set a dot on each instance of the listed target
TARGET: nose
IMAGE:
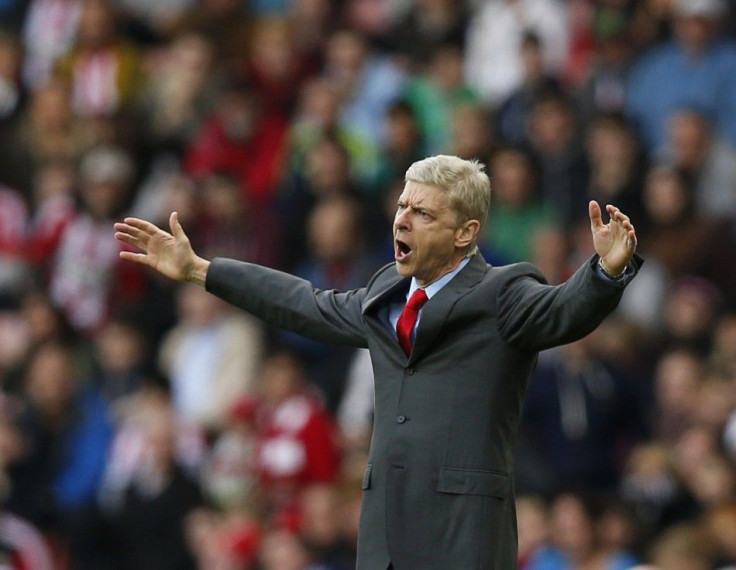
(401, 220)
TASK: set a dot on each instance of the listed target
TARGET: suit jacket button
(409, 371)
(400, 419)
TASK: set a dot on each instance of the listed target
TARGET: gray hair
(465, 183)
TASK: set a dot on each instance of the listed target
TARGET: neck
(447, 269)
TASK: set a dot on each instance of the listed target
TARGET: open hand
(615, 242)
(168, 253)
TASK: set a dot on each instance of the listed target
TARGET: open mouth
(401, 250)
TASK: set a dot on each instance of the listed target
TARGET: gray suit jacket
(438, 489)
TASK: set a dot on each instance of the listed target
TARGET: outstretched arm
(168, 253)
(535, 316)
(277, 298)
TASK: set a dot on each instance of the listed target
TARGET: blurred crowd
(146, 425)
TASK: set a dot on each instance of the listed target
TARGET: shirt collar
(434, 287)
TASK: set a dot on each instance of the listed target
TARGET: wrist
(197, 274)
(608, 271)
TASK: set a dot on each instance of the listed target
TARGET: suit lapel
(386, 287)
(435, 312)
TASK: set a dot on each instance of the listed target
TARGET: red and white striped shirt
(26, 542)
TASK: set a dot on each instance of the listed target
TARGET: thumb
(596, 217)
(176, 230)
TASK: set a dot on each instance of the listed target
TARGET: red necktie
(408, 319)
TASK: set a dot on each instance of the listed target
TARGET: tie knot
(417, 300)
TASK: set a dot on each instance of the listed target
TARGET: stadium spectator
(519, 210)
(493, 61)
(297, 437)
(239, 139)
(211, 357)
(707, 161)
(701, 54)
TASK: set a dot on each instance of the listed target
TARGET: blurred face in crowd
(11, 443)
(333, 232)
(615, 51)
(532, 61)
(345, 54)
(10, 57)
(531, 515)
(180, 196)
(550, 250)
(50, 109)
(610, 144)
(678, 376)
(50, 380)
(190, 61)
(102, 199)
(120, 347)
(54, 180)
(283, 551)
(223, 201)
(159, 436)
(328, 169)
(43, 320)
(471, 135)
(572, 528)
(320, 511)
(681, 548)
(695, 33)
(513, 178)
(649, 462)
(665, 196)
(96, 24)
(282, 377)
(689, 312)
(552, 126)
(272, 53)
(202, 528)
(402, 131)
(427, 233)
(615, 529)
(447, 67)
(318, 103)
(712, 480)
(689, 135)
(721, 525)
(715, 403)
(694, 446)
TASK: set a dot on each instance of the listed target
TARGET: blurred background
(146, 425)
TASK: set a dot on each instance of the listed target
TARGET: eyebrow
(418, 207)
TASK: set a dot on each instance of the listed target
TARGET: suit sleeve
(289, 302)
(535, 316)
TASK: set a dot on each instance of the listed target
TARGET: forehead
(424, 195)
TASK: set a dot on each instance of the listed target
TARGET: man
(438, 491)
(696, 68)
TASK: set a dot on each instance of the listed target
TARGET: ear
(466, 233)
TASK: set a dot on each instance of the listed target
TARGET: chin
(403, 270)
